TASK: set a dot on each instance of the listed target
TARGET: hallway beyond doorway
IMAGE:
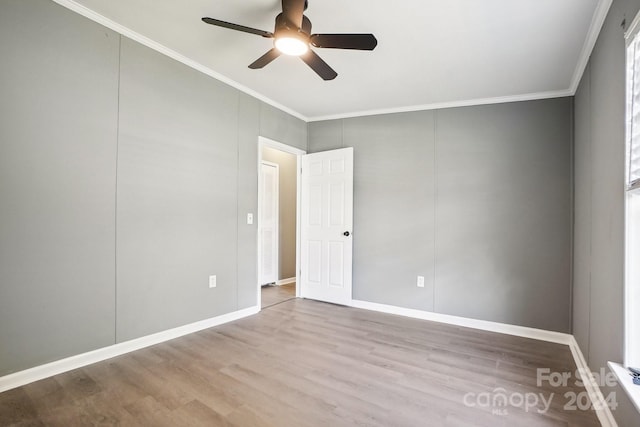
(273, 294)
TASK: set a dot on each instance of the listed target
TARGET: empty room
(320, 213)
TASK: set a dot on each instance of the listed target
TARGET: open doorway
(278, 198)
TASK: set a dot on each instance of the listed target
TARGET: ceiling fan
(292, 36)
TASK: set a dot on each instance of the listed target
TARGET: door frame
(266, 142)
(276, 196)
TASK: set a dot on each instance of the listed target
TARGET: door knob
(346, 233)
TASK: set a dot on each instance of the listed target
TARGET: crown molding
(452, 104)
(129, 33)
(597, 22)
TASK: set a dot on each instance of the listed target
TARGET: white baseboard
(591, 385)
(286, 281)
(602, 411)
(485, 325)
(27, 376)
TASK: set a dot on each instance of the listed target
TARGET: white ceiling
(430, 53)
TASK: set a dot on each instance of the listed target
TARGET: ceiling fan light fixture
(292, 36)
(292, 46)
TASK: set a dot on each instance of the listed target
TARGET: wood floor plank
(16, 406)
(305, 364)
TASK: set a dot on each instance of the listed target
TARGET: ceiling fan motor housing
(284, 27)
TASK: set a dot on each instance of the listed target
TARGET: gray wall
(125, 180)
(177, 221)
(287, 183)
(476, 199)
(57, 184)
(598, 307)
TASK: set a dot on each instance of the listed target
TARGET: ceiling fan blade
(237, 27)
(265, 59)
(292, 10)
(318, 65)
(345, 41)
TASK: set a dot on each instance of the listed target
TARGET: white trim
(632, 30)
(266, 142)
(280, 146)
(591, 386)
(485, 325)
(625, 381)
(592, 36)
(452, 104)
(127, 32)
(37, 373)
(597, 21)
(286, 281)
(631, 344)
(298, 220)
(605, 416)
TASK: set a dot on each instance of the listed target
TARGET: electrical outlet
(421, 281)
(213, 281)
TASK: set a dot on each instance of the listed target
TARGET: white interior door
(326, 226)
(269, 218)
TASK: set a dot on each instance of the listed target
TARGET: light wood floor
(272, 295)
(305, 363)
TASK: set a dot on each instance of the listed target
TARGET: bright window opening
(632, 173)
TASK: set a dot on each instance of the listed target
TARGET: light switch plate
(249, 218)
(213, 281)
